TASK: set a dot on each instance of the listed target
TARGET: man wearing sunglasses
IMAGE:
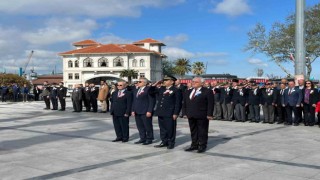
(121, 101)
(169, 100)
(142, 108)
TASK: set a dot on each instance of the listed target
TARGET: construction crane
(23, 71)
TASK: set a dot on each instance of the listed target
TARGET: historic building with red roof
(92, 61)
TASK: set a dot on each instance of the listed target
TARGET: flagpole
(300, 50)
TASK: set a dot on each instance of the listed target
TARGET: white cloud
(60, 30)
(174, 53)
(113, 39)
(257, 62)
(232, 7)
(92, 8)
(175, 40)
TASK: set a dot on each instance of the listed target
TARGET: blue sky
(212, 31)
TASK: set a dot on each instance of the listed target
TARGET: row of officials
(168, 99)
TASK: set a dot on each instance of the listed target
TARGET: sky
(211, 31)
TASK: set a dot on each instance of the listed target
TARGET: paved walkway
(39, 144)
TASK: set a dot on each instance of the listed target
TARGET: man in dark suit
(86, 97)
(62, 94)
(217, 103)
(239, 100)
(269, 100)
(198, 108)
(4, 93)
(254, 102)
(76, 98)
(291, 100)
(121, 102)
(93, 97)
(142, 109)
(46, 94)
(169, 100)
(54, 96)
(281, 111)
(226, 96)
(16, 92)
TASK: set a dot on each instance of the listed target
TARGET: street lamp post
(300, 50)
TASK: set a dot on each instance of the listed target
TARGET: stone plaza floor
(45, 144)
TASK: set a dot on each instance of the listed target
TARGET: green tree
(278, 44)
(129, 73)
(182, 66)
(168, 67)
(198, 68)
(6, 79)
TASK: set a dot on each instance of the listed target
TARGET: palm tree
(130, 73)
(182, 66)
(198, 68)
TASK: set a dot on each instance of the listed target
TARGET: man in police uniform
(169, 100)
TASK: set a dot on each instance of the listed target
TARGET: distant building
(56, 78)
(91, 61)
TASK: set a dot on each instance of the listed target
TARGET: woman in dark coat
(309, 102)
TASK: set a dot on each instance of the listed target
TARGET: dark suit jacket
(279, 96)
(254, 99)
(313, 97)
(144, 102)
(169, 103)
(269, 99)
(121, 105)
(201, 106)
(238, 98)
(87, 92)
(293, 99)
(62, 92)
(216, 94)
(94, 92)
(226, 95)
(54, 92)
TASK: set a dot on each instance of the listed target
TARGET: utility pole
(300, 48)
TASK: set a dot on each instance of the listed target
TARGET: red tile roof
(110, 48)
(50, 78)
(85, 43)
(149, 40)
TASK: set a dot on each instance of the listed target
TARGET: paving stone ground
(42, 144)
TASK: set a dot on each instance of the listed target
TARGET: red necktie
(194, 93)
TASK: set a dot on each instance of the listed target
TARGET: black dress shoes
(161, 145)
(202, 149)
(170, 146)
(191, 148)
(139, 142)
(116, 140)
(124, 140)
(147, 143)
(61, 109)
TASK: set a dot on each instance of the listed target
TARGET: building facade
(91, 61)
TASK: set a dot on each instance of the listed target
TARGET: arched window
(134, 63)
(76, 63)
(70, 64)
(88, 62)
(103, 62)
(118, 62)
(142, 63)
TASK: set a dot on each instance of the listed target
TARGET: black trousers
(62, 103)
(36, 97)
(299, 114)
(4, 97)
(168, 128)
(199, 131)
(289, 110)
(47, 101)
(121, 127)
(145, 127)
(282, 116)
(54, 102)
(94, 104)
(309, 114)
(87, 104)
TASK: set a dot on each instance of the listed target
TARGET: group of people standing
(198, 102)
(13, 92)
